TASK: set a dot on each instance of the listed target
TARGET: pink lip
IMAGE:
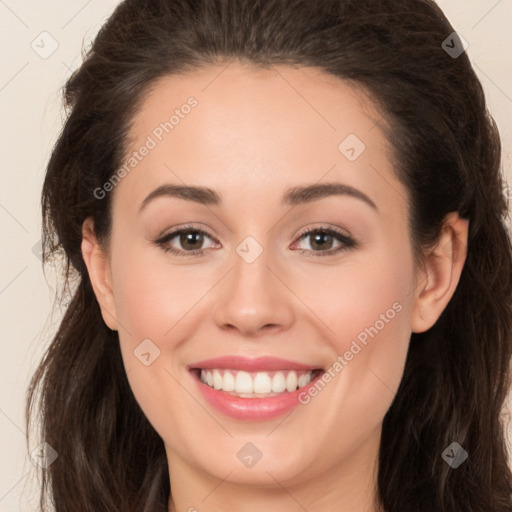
(252, 409)
(252, 365)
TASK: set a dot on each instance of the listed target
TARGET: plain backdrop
(41, 44)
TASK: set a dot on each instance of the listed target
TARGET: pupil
(320, 236)
(187, 238)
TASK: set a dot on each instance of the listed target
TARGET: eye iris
(191, 237)
(317, 240)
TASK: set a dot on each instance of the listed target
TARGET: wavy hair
(446, 152)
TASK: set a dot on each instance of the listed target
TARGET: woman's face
(254, 276)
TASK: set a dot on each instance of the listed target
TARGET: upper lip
(265, 363)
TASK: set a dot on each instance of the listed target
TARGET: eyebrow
(293, 196)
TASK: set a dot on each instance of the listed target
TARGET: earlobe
(441, 273)
(98, 269)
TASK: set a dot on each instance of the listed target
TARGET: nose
(254, 298)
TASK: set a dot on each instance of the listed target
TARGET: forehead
(252, 129)
(241, 95)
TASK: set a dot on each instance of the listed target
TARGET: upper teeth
(257, 382)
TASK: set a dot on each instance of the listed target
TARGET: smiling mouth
(262, 384)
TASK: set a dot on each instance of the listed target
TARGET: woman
(293, 276)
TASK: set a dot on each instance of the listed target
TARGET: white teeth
(303, 380)
(262, 383)
(217, 379)
(243, 383)
(255, 384)
(291, 381)
(278, 383)
(228, 381)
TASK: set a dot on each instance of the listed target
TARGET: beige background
(30, 119)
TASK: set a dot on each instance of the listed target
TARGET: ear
(98, 267)
(441, 273)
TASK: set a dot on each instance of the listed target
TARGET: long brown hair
(447, 153)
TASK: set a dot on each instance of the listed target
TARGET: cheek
(151, 295)
(371, 311)
(156, 301)
(372, 329)
(364, 299)
(364, 309)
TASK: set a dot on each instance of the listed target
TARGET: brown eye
(323, 240)
(186, 241)
(191, 240)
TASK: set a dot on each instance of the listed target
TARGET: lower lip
(253, 409)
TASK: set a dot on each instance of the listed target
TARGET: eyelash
(346, 241)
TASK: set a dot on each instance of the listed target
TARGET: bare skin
(252, 136)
